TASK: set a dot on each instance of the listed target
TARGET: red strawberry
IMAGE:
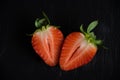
(47, 41)
(79, 48)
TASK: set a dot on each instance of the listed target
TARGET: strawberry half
(47, 41)
(79, 48)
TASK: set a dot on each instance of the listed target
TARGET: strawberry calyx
(89, 35)
(43, 23)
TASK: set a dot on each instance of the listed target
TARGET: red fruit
(79, 48)
(46, 42)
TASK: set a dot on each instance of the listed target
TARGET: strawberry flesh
(47, 44)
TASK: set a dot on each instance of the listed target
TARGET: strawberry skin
(47, 44)
(78, 49)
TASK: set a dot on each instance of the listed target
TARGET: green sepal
(42, 22)
(82, 30)
(98, 42)
(29, 34)
(39, 22)
(91, 26)
(92, 35)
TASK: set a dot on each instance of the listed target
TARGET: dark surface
(18, 61)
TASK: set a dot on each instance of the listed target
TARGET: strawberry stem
(46, 17)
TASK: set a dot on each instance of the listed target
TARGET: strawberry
(79, 48)
(47, 41)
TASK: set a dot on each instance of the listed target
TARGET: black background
(18, 61)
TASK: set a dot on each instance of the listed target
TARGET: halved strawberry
(47, 41)
(79, 48)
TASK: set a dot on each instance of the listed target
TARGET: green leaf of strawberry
(79, 48)
(47, 41)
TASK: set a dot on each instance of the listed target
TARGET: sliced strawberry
(79, 48)
(46, 42)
